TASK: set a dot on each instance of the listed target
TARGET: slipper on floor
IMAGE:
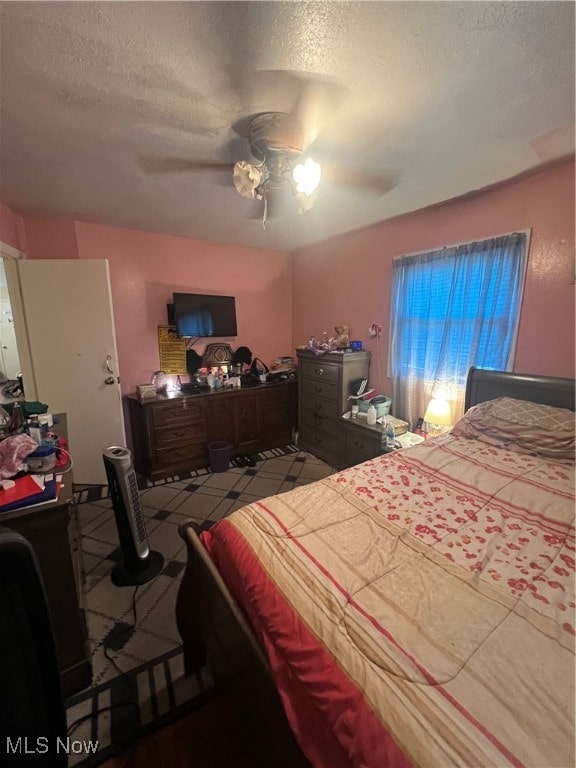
(249, 461)
(240, 461)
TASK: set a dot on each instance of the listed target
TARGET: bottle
(390, 435)
(371, 416)
(33, 429)
(45, 421)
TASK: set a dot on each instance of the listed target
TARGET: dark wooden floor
(210, 737)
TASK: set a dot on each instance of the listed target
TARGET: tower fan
(140, 564)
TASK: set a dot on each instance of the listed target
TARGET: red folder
(28, 490)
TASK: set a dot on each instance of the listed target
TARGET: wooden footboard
(215, 632)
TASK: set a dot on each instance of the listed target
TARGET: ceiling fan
(277, 159)
(277, 141)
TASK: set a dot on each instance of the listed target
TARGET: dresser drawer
(192, 455)
(178, 412)
(323, 408)
(180, 435)
(357, 450)
(324, 390)
(314, 422)
(320, 445)
(319, 370)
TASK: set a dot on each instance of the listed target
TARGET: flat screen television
(201, 315)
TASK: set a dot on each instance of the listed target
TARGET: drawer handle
(317, 389)
(319, 371)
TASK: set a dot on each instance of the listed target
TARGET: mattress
(418, 609)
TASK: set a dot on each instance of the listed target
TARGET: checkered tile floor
(203, 497)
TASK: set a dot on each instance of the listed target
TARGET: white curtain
(451, 309)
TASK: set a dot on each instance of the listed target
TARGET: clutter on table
(30, 455)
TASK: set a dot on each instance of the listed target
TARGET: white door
(69, 321)
(9, 360)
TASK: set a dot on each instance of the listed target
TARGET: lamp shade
(217, 354)
(438, 413)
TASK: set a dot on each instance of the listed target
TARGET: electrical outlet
(375, 330)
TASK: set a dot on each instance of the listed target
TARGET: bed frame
(215, 631)
(482, 385)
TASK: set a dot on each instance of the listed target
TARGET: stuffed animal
(342, 341)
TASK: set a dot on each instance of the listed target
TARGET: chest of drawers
(324, 386)
(170, 434)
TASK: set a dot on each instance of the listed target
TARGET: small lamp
(438, 415)
(217, 356)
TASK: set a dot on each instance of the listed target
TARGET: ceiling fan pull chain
(265, 214)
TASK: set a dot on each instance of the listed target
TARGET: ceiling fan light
(307, 176)
(246, 178)
(305, 202)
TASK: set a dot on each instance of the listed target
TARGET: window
(453, 308)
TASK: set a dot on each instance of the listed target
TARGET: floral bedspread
(418, 609)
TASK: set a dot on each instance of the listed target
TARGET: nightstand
(361, 441)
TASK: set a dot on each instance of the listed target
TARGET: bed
(414, 610)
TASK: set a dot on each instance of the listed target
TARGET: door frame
(10, 256)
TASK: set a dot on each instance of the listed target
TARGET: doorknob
(109, 380)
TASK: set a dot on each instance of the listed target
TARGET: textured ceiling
(109, 109)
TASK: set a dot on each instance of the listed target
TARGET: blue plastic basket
(382, 409)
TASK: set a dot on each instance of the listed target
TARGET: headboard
(484, 385)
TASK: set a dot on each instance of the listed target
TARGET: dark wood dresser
(324, 386)
(52, 530)
(170, 433)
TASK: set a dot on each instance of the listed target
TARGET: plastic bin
(219, 453)
(382, 409)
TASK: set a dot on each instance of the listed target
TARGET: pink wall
(51, 238)
(145, 269)
(348, 279)
(282, 300)
(12, 228)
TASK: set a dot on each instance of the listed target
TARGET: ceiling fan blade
(313, 99)
(235, 150)
(177, 165)
(375, 184)
(319, 98)
(169, 109)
